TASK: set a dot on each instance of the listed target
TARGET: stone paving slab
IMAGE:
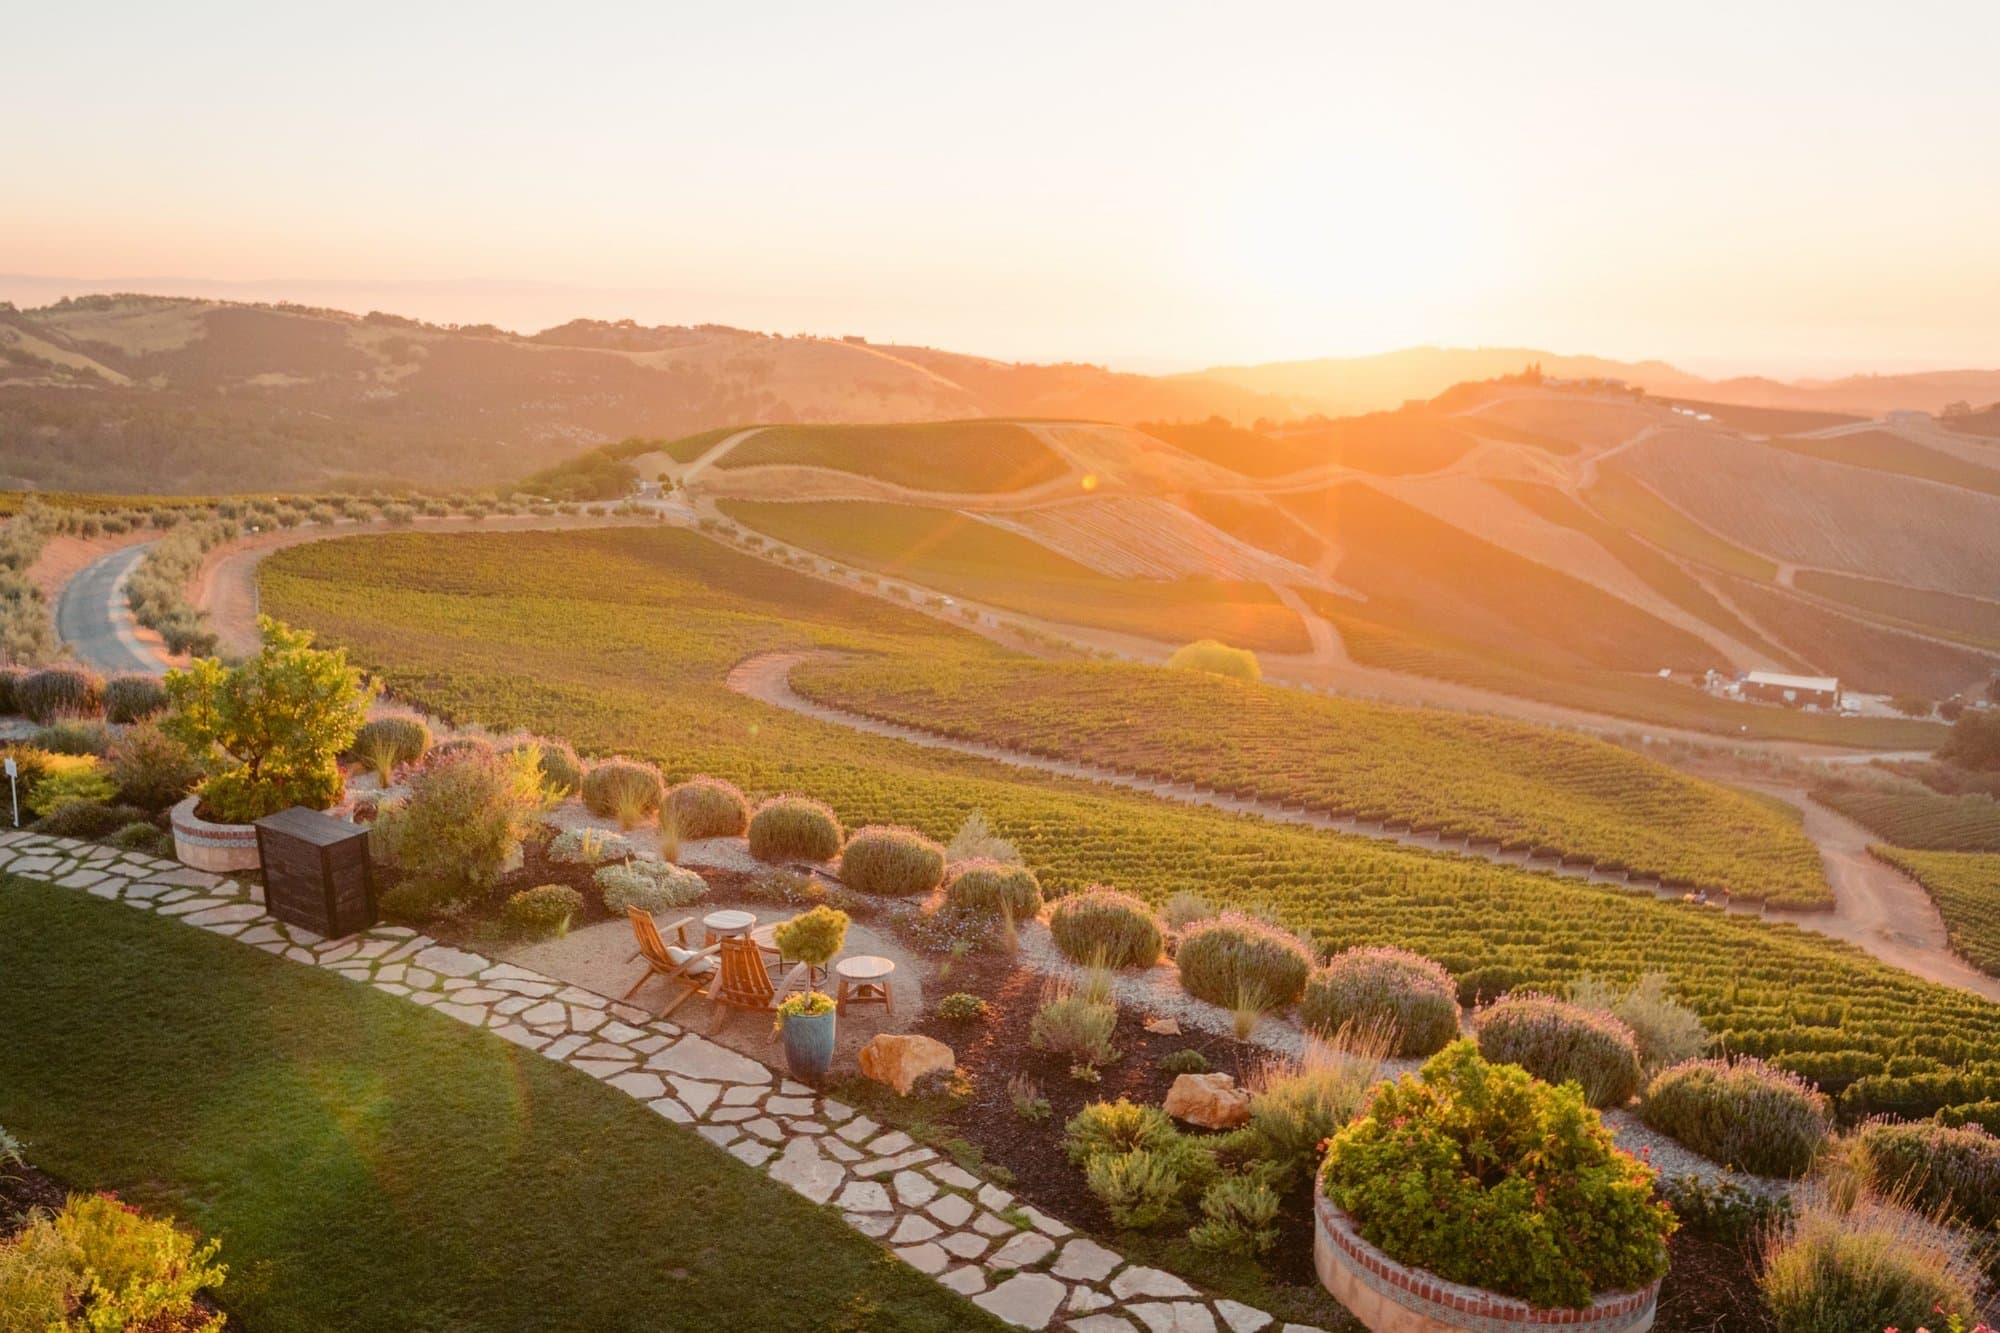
(967, 1233)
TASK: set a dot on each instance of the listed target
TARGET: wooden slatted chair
(744, 980)
(678, 963)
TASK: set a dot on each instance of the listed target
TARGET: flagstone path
(969, 1234)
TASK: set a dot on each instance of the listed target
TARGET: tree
(1974, 741)
(278, 721)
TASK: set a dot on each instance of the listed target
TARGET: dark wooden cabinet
(317, 874)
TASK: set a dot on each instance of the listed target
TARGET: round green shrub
(152, 770)
(1116, 1127)
(891, 862)
(1234, 959)
(140, 836)
(1741, 1112)
(650, 886)
(1479, 1174)
(1937, 1168)
(623, 789)
(1562, 1043)
(562, 771)
(963, 1007)
(1185, 1061)
(543, 911)
(88, 819)
(1217, 659)
(590, 847)
(794, 828)
(991, 886)
(133, 697)
(58, 692)
(73, 736)
(705, 807)
(1404, 996)
(1101, 925)
(384, 743)
(11, 676)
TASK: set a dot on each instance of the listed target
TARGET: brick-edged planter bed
(1390, 1297)
(218, 848)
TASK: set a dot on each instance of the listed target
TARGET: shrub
(1185, 1061)
(98, 1264)
(1116, 1127)
(1136, 1162)
(1742, 1112)
(73, 736)
(545, 910)
(1101, 925)
(976, 841)
(623, 789)
(1025, 1095)
(1239, 1216)
(1871, 1266)
(650, 886)
(589, 847)
(1234, 959)
(445, 751)
(562, 772)
(812, 937)
(1139, 1189)
(793, 828)
(1076, 1027)
(133, 697)
(1562, 1043)
(1667, 1031)
(709, 808)
(142, 837)
(1295, 1110)
(280, 719)
(1480, 1174)
(68, 780)
(60, 691)
(1217, 659)
(393, 739)
(1184, 909)
(991, 886)
(1383, 989)
(151, 769)
(962, 1007)
(891, 862)
(462, 820)
(88, 819)
(11, 676)
(1935, 1167)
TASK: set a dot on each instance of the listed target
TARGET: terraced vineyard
(1887, 452)
(621, 641)
(924, 456)
(1911, 815)
(1521, 787)
(1966, 888)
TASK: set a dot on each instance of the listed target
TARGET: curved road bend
(92, 617)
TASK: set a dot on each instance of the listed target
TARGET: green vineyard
(1911, 815)
(621, 641)
(1966, 888)
(924, 456)
(1524, 788)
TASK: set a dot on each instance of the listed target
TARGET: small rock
(1212, 1101)
(899, 1059)
(1164, 1027)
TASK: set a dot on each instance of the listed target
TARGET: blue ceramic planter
(809, 1045)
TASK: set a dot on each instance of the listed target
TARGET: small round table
(864, 979)
(725, 924)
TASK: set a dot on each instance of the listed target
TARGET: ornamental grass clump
(562, 771)
(590, 847)
(1103, 926)
(891, 862)
(1383, 989)
(1235, 956)
(794, 828)
(386, 742)
(1868, 1263)
(1077, 1026)
(992, 886)
(650, 886)
(1562, 1043)
(59, 691)
(1481, 1174)
(542, 912)
(1940, 1169)
(1295, 1108)
(1741, 1112)
(1667, 1031)
(623, 789)
(133, 697)
(706, 807)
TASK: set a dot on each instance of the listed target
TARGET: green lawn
(369, 1165)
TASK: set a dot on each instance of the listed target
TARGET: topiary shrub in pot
(794, 828)
(386, 742)
(705, 807)
(1104, 926)
(1480, 1174)
(59, 691)
(1741, 1112)
(994, 886)
(891, 862)
(1402, 995)
(1235, 959)
(623, 789)
(133, 697)
(807, 1023)
(1562, 1043)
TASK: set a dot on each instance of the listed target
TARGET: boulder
(1212, 1101)
(900, 1059)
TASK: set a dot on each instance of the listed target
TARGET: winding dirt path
(1875, 907)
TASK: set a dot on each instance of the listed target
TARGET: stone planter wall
(217, 848)
(1391, 1298)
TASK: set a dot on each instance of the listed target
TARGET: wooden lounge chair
(676, 962)
(744, 980)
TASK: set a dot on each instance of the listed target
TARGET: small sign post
(14, 787)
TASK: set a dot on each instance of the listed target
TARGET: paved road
(91, 615)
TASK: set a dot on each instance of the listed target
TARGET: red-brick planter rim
(1425, 1300)
(206, 845)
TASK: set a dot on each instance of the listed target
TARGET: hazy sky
(1790, 187)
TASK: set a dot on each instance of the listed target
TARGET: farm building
(1778, 688)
